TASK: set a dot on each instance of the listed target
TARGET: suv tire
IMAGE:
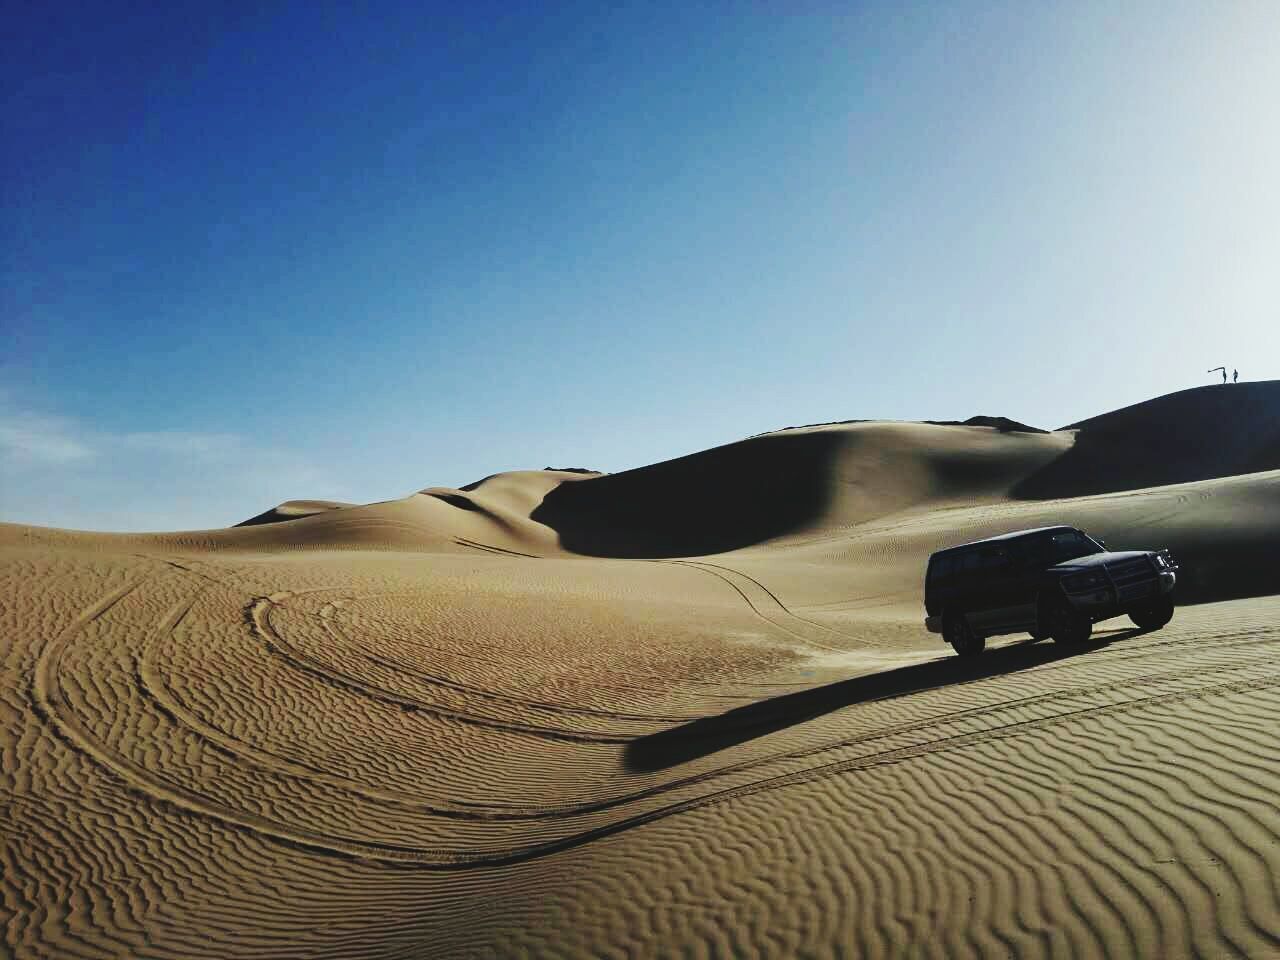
(1065, 623)
(1154, 615)
(957, 632)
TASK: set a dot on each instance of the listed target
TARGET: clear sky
(315, 252)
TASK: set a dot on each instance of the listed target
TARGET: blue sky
(319, 253)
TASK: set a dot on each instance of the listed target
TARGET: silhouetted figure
(1223, 369)
(1235, 376)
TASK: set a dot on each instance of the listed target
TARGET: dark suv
(1049, 582)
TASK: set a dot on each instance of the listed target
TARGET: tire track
(758, 605)
(665, 682)
(490, 548)
(330, 625)
(45, 693)
(522, 812)
(164, 788)
(258, 616)
(442, 859)
(495, 811)
(153, 684)
(764, 599)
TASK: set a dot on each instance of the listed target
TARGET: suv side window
(993, 558)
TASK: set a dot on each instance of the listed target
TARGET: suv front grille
(1131, 576)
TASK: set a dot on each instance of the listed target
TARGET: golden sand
(685, 710)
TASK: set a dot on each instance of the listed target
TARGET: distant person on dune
(1235, 376)
(1223, 369)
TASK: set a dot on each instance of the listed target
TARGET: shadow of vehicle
(707, 735)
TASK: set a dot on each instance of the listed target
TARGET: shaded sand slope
(446, 726)
(785, 483)
(1215, 431)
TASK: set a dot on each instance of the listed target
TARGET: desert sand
(690, 709)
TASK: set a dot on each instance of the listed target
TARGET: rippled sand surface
(452, 726)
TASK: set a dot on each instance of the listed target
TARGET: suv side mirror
(1102, 544)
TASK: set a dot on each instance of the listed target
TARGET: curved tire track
(54, 705)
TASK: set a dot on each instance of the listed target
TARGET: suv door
(1023, 583)
(989, 593)
(957, 596)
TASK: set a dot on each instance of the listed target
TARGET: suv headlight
(1161, 562)
(1088, 580)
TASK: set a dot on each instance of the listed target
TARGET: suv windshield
(1057, 546)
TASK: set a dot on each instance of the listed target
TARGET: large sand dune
(688, 709)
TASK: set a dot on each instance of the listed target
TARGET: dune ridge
(687, 708)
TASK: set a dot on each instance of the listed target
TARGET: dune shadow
(1245, 564)
(708, 735)
(1196, 434)
(458, 500)
(709, 502)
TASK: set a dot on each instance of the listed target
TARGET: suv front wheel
(1064, 622)
(1154, 615)
(957, 632)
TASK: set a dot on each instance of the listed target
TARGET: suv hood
(1095, 560)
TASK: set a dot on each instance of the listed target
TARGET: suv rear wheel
(957, 632)
(1065, 623)
(1154, 615)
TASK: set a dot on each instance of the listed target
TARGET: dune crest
(294, 510)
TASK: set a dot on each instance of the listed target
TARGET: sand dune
(685, 709)
(294, 510)
(1197, 434)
